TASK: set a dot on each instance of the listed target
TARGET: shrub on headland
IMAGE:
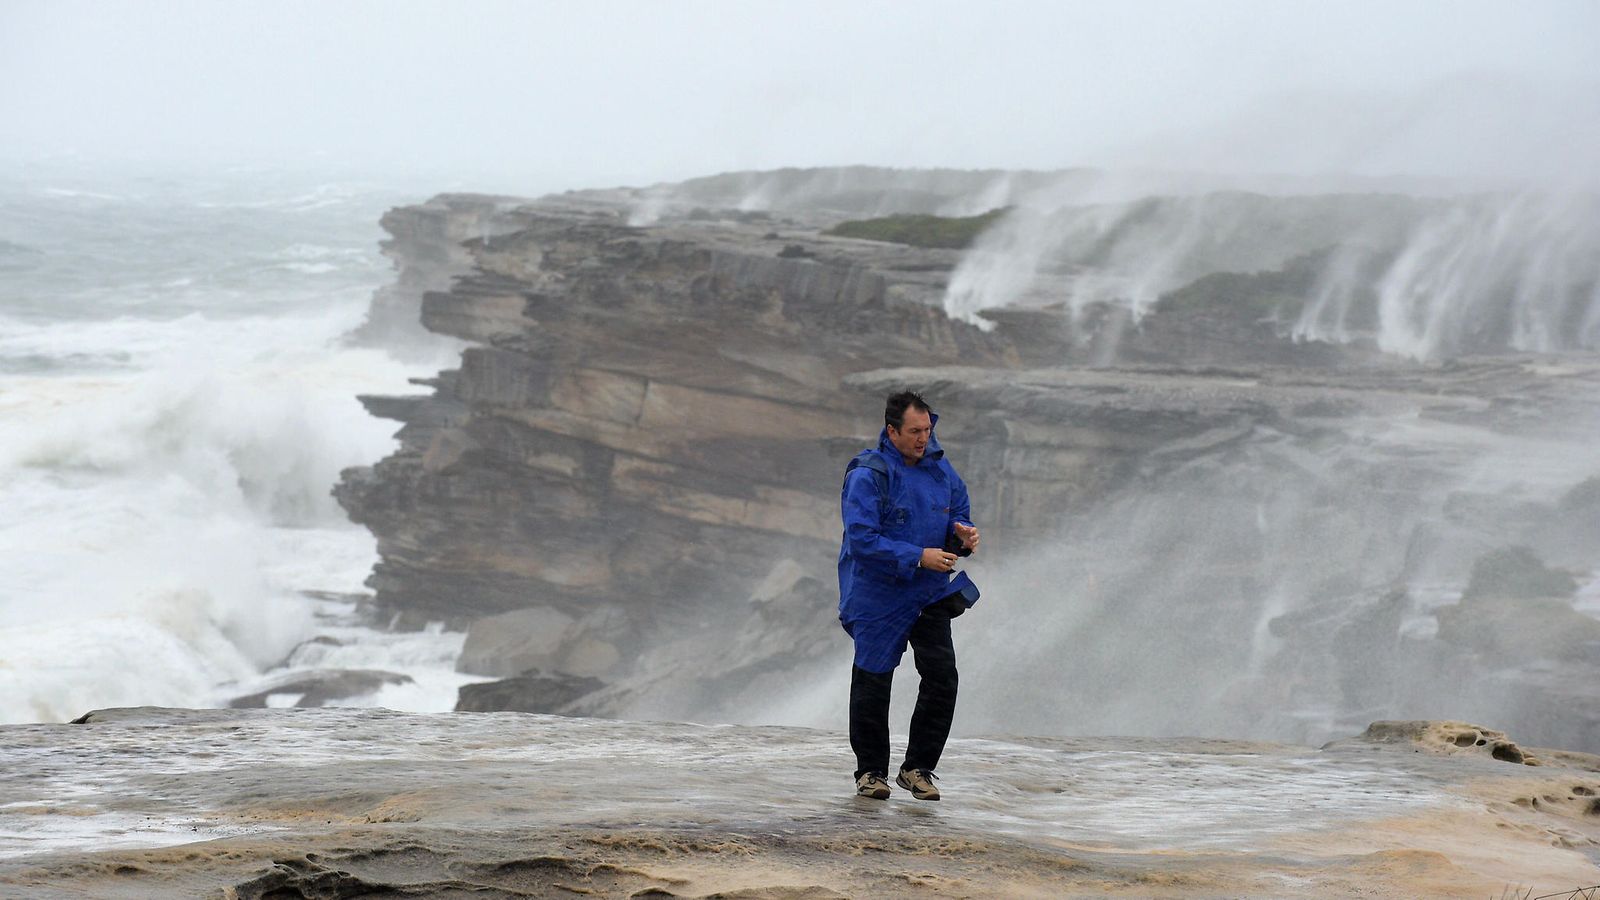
(1516, 573)
(1248, 295)
(1585, 496)
(947, 232)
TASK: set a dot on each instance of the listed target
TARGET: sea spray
(154, 499)
(178, 404)
(1419, 276)
(1518, 271)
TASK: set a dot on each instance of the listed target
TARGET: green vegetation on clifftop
(919, 230)
(1252, 296)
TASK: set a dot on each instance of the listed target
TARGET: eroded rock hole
(1506, 753)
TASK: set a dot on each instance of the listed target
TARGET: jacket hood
(933, 450)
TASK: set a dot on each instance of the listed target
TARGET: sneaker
(919, 782)
(871, 784)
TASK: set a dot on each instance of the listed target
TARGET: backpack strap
(873, 460)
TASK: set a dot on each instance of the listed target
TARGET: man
(906, 522)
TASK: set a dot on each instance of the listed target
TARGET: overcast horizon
(547, 96)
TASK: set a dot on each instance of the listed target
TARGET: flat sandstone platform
(372, 803)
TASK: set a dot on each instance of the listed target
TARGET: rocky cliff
(627, 491)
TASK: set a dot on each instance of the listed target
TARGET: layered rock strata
(425, 244)
(649, 421)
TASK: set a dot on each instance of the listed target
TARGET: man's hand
(968, 534)
(938, 560)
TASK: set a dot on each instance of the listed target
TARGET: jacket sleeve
(863, 533)
(960, 511)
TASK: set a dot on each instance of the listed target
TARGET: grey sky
(587, 94)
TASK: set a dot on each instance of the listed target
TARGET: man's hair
(894, 411)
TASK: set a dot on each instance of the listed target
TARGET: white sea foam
(168, 441)
(304, 251)
(304, 268)
(320, 197)
(56, 670)
(71, 194)
(158, 501)
(427, 658)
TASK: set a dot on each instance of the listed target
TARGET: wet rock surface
(321, 688)
(154, 802)
(530, 692)
(1449, 738)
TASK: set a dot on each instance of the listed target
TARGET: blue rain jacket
(888, 519)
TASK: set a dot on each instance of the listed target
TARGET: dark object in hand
(952, 544)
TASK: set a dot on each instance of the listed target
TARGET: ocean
(177, 398)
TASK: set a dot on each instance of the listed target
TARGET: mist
(1291, 587)
(544, 96)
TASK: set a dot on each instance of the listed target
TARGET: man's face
(911, 438)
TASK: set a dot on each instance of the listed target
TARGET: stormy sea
(178, 397)
(364, 540)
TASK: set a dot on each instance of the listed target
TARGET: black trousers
(936, 701)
